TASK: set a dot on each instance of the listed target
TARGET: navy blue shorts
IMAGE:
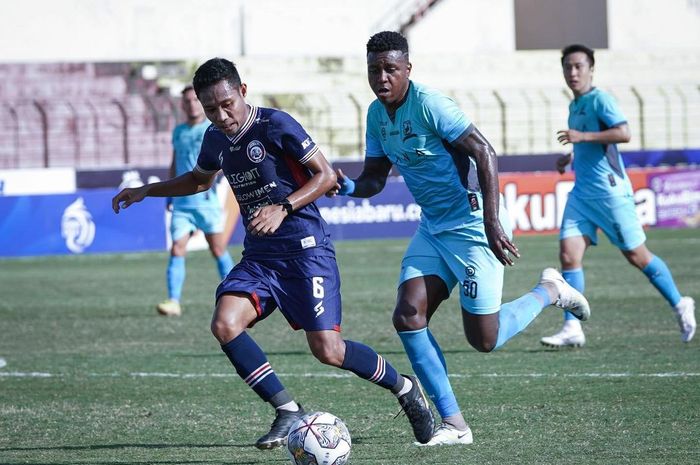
(306, 290)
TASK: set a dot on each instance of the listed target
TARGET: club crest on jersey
(408, 130)
(256, 151)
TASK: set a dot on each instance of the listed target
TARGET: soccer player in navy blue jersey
(464, 236)
(276, 172)
(602, 196)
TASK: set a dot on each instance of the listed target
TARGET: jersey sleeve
(443, 115)
(608, 111)
(287, 134)
(208, 161)
(373, 145)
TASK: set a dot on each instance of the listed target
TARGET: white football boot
(569, 299)
(448, 435)
(570, 335)
(685, 314)
(169, 307)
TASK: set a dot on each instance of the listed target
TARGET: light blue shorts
(185, 221)
(616, 216)
(463, 257)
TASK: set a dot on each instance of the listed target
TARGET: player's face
(225, 106)
(388, 74)
(578, 73)
(191, 106)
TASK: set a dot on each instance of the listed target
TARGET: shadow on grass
(266, 459)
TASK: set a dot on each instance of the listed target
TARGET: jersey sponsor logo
(77, 226)
(308, 242)
(256, 151)
(305, 144)
(383, 132)
(221, 158)
(473, 201)
(243, 178)
(255, 194)
(234, 148)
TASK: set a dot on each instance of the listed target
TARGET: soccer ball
(319, 438)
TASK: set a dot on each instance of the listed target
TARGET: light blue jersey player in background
(602, 196)
(200, 211)
(463, 238)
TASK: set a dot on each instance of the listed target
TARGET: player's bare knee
(224, 331)
(328, 353)
(482, 345)
(408, 321)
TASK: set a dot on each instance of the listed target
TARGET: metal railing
(136, 130)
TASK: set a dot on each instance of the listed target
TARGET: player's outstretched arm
(185, 184)
(475, 145)
(370, 182)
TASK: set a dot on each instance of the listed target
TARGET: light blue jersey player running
(602, 196)
(450, 169)
(200, 211)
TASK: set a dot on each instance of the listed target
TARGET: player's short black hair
(387, 41)
(573, 48)
(213, 71)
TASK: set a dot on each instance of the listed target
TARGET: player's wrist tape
(347, 186)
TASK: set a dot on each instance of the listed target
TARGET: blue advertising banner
(82, 222)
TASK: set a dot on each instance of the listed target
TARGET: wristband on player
(347, 186)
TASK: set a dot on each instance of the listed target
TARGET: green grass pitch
(94, 376)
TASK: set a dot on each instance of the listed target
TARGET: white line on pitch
(35, 374)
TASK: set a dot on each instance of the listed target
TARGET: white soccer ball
(319, 438)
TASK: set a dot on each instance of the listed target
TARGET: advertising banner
(82, 222)
(677, 198)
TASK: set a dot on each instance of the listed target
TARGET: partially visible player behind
(276, 172)
(464, 236)
(602, 196)
(200, 211)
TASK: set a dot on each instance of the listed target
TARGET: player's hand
(569, 136)
(563, 162)
(343, 185)
(266, 220)
(128, 196)
(500, 244)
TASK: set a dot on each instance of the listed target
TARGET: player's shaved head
(213, 71)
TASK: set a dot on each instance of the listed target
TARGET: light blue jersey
(599, 169)
(187, 142)
(417, 141)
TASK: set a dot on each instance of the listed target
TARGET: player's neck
(583, 91)
(391, 109)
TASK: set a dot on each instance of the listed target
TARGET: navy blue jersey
(264, 163)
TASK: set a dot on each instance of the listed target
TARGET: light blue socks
(516, 315)
(429, 365)
(175, 276)
(660, 276)
(224, 263)
(577, 280)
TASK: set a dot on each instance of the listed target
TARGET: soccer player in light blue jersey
(200, 211)
(602, 196)
(464, 237)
